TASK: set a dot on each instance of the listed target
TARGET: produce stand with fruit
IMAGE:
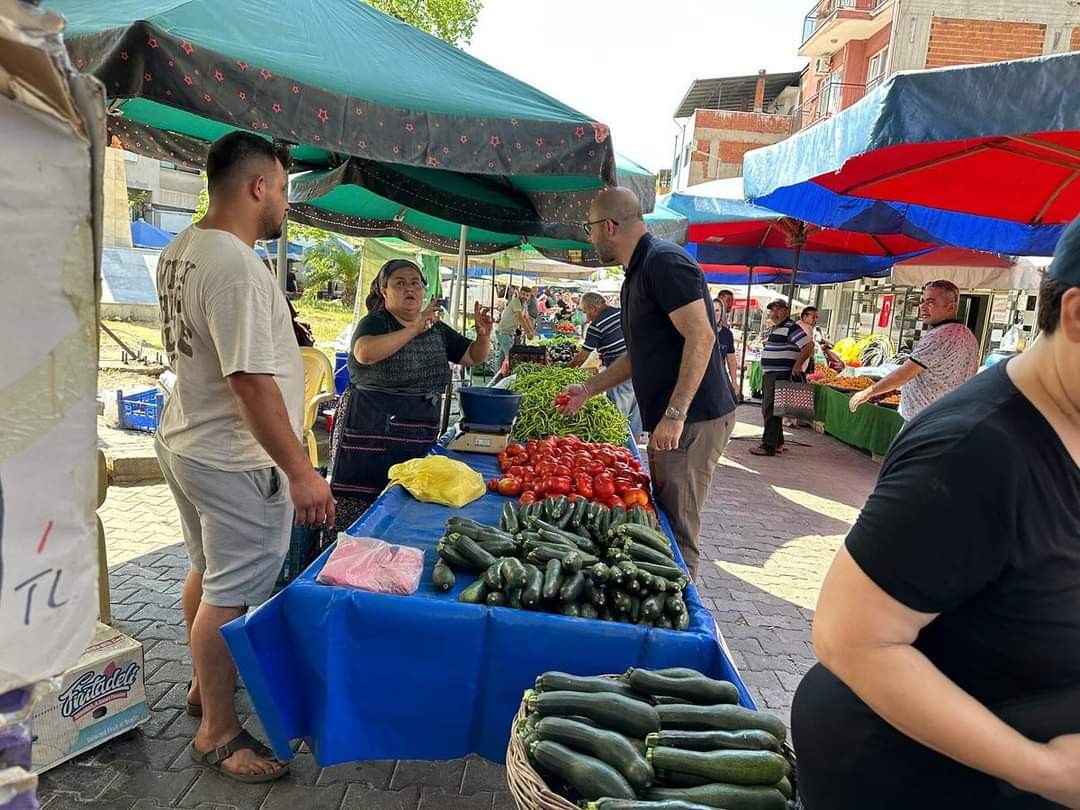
(362, 675)
(872, 427)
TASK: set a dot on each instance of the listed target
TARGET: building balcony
(830, 99)
(833, 23)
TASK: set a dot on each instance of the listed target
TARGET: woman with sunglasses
(399, 368)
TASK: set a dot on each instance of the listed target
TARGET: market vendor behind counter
(398, 370)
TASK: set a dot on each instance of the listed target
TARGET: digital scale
(473, 438)
(487, 420)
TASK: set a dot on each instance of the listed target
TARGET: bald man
(682, 389)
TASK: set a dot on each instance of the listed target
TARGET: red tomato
(539, 486)
(503, 460)
(511, 487)
(614, 501)
(603, 487)
(594, 467)
(623, 484)
(635, 463)
(562, 470)
(516, 450)
(493, 485)
(559, 485)
(635, 497)
(515, 471)
(583, 484)
(572, 497)
(527, 497)
(531, 446)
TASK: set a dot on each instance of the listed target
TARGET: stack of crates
(139, 411)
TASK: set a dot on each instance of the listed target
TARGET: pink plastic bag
(373, 565)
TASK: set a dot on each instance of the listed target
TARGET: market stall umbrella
(431, 126)
(981, 156)
(340, 200)
(724, 230)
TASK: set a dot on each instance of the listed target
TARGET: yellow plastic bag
(438, 479)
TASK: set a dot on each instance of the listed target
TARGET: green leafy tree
(449, 20)
(328, 262)
(201, 205)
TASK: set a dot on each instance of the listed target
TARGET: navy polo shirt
(661, 278)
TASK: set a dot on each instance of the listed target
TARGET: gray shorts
(236, 527)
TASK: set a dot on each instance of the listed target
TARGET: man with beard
(686, 402)
(229, 439)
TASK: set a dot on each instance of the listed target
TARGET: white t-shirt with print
(222, 312)
(949, 355)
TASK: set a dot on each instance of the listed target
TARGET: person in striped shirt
(786, 349)
(605, 337)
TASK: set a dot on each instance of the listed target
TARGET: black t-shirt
(660, 278)
(418, 367)
(725, 341)
(976, 517)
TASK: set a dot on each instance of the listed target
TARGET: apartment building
(166, 194)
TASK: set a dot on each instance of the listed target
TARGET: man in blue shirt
(683, 393)
(786, 349)
(604, 336)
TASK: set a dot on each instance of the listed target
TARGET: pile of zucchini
(669, 739)
(575, 558)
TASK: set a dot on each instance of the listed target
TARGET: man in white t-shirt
(229, 437)
(945, 357)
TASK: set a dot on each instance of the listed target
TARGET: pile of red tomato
(568, 466)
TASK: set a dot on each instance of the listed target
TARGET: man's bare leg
(217, 680)
(191, 599)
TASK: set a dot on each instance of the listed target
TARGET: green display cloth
(872, 427)
(756, 376)
(432, 267)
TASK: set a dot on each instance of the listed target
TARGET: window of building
(875, 70)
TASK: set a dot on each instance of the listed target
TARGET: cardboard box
(101, 697)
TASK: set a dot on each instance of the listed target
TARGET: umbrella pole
(283, 255)
(456, 295)
(794, 273)
(746, 327)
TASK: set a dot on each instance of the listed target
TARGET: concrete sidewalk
(770, 530)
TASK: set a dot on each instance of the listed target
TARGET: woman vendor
(398, 371)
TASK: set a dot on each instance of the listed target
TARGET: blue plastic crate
(140, 411)
(303, 548)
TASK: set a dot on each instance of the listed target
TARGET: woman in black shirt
(948, 627)
(398, 371)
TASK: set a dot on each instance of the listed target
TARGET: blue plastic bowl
(489, 406)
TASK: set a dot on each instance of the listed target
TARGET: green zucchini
(619, 600)
(671, 573)
(719, 718)
(664, 623)
(632, 585)
(571, 609)
(513, 598)
(450, 554)
(578, 513)
(640, 551)
(747, 739)
(784, 786)
(534, 583)
(658, 541)
(513, 572)
(563, 521)
(701, 690)
(572, 588)
(473, 594)
(552, 579)
(525, 537)
(618, 518)
(614, 712)
(607, 746)
(509, 518)
(591, 778)
(572, 562)
(682, 622)
(678, 672)
(571, 541)
(549, 552)
(584, 533)
(468, 548)
(729, 797)
(500, 548)
(675, 606)
(641, 804)
(676, 779)
(652, 608)
(729, 767)
(588, 611)
(493, 577)
(488, 534)
(496, 599)
(599, 573)
(635, 608)
(442, 576)
(559, 507)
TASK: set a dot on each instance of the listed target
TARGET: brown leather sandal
(215, 759)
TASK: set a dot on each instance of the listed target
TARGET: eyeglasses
(588, 225)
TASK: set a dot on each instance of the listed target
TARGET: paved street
(770, 530)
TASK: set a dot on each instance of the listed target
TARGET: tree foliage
(201, 205)
(328, 262)
(449, 20)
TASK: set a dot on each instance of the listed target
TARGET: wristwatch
(675, 413)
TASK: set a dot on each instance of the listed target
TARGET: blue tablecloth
(369, 676)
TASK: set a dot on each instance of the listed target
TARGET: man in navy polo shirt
(682, 389)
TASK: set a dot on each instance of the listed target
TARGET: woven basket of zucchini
(670, 739)
(577, 559)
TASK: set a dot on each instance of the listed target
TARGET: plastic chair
(318, 389)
